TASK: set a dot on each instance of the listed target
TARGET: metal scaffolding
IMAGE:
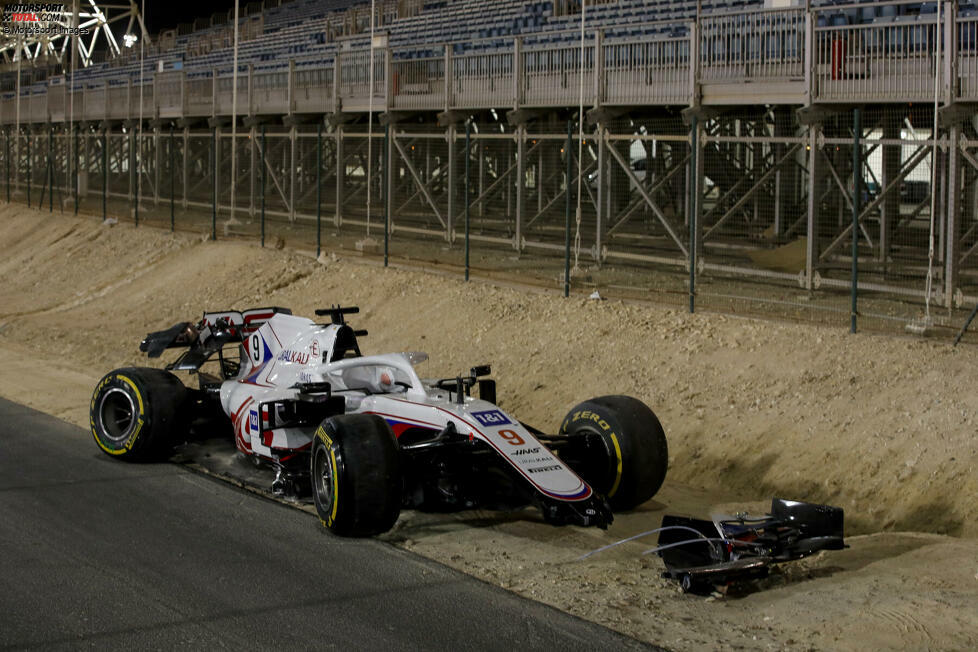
(689, 186)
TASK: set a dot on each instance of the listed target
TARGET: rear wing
(208, 336)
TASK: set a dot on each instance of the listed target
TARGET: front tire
(355, 468)
(617, 445)
(137, 413)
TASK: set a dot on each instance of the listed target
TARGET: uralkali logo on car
(491, 418)
(298, 357)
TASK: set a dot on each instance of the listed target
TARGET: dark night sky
(164, 14)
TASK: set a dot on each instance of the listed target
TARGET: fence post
(132, 147)
(172, 186)
(856, 200)
(68, 162)
(340, 171)
(693, 200)
(567, 209)
(51, 170)
(185, 169)
(952, 237)
(319, 187)
(468, 141)
(135, 163)
(520, 181)
(75, 130)
(40, 199)
(7, 159)
(388, 189)
(105, 173)
(261, 168)
(63, 189)
(451, 132)
(28, 169)
(214, 185)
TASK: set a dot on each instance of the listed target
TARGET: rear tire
(355, 468)
(138, 413)
(618, 448)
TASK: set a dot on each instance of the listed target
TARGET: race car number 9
(256, 348)
(512, 437)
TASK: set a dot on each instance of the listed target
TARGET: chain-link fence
(770, 210)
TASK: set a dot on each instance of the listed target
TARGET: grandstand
(727, 124)
(873, 52)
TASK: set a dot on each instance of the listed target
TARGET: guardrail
(807, 55)
(483, 79)
(647, 72)
(966, 51)
(418, 83)
(752, 46)
(556, 76)
(878, 62)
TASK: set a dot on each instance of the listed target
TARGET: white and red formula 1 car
(366, 435)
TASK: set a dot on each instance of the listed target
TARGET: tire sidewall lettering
(330, 449)
(590, 416)
(127, 385)
(326, 439)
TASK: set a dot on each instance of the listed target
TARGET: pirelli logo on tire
(329, 518)
(326, 439)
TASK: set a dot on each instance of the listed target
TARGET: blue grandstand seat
(838, 20)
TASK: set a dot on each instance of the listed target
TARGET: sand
(884, 427)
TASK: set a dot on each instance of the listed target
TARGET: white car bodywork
(287, 352)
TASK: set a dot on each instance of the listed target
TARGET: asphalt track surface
(100, 553)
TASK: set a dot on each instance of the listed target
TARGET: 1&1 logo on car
(491, 418)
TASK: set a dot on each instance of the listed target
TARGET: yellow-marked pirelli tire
(137, 413)
(356, 475)
(623, 452)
